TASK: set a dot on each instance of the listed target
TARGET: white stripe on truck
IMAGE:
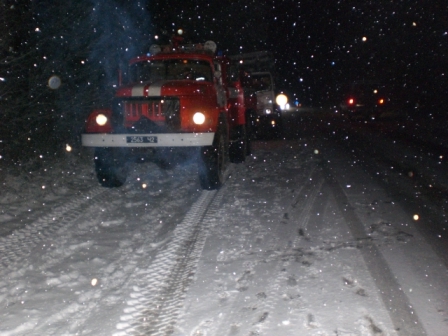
(154, 89)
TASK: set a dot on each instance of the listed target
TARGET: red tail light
(381, 101)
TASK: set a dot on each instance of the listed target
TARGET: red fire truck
(178, 98)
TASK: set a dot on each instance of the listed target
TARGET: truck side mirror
(218, 76)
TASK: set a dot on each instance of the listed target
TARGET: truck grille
(163, 112)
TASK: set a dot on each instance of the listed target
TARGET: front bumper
(148, 140)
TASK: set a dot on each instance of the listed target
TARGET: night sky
(319, 45)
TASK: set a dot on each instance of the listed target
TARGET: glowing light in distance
(180, 31)
(416, 217)
(381, 101)
(144, 185)
(281, 99)
(94, 282)
(364, 38)
(68, 148)
(101, 119)
(199, 118)
(351, 101)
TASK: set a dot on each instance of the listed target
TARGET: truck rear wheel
(110, 167)
(213, 162)
(249, 131)
(238, 147)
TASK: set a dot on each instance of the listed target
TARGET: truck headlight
(199, 118)
(101, 119)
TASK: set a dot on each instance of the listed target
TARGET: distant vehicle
(257, 78)
(366, 100)
(179, 98)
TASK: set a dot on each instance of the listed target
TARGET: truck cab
(178, 98)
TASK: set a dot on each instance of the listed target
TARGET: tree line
(81, 43)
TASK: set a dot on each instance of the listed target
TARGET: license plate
(141, 139)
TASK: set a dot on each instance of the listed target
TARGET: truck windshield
(155, 70)
(261, 82)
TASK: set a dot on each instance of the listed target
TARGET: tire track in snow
(274, 299)
(310, 192)
(77, 316)
(159, 290)
(20, 243)
(400, 310)
(302, 202)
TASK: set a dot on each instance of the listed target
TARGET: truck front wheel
(110, 167)
(213, 162)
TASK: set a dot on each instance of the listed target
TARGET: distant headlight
(281, 99)
(101, 119)
(199, 118)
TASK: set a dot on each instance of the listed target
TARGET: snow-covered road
(303, 239)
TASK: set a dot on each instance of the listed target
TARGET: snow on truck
(177, 98)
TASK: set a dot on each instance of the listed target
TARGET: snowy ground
(302, 239)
